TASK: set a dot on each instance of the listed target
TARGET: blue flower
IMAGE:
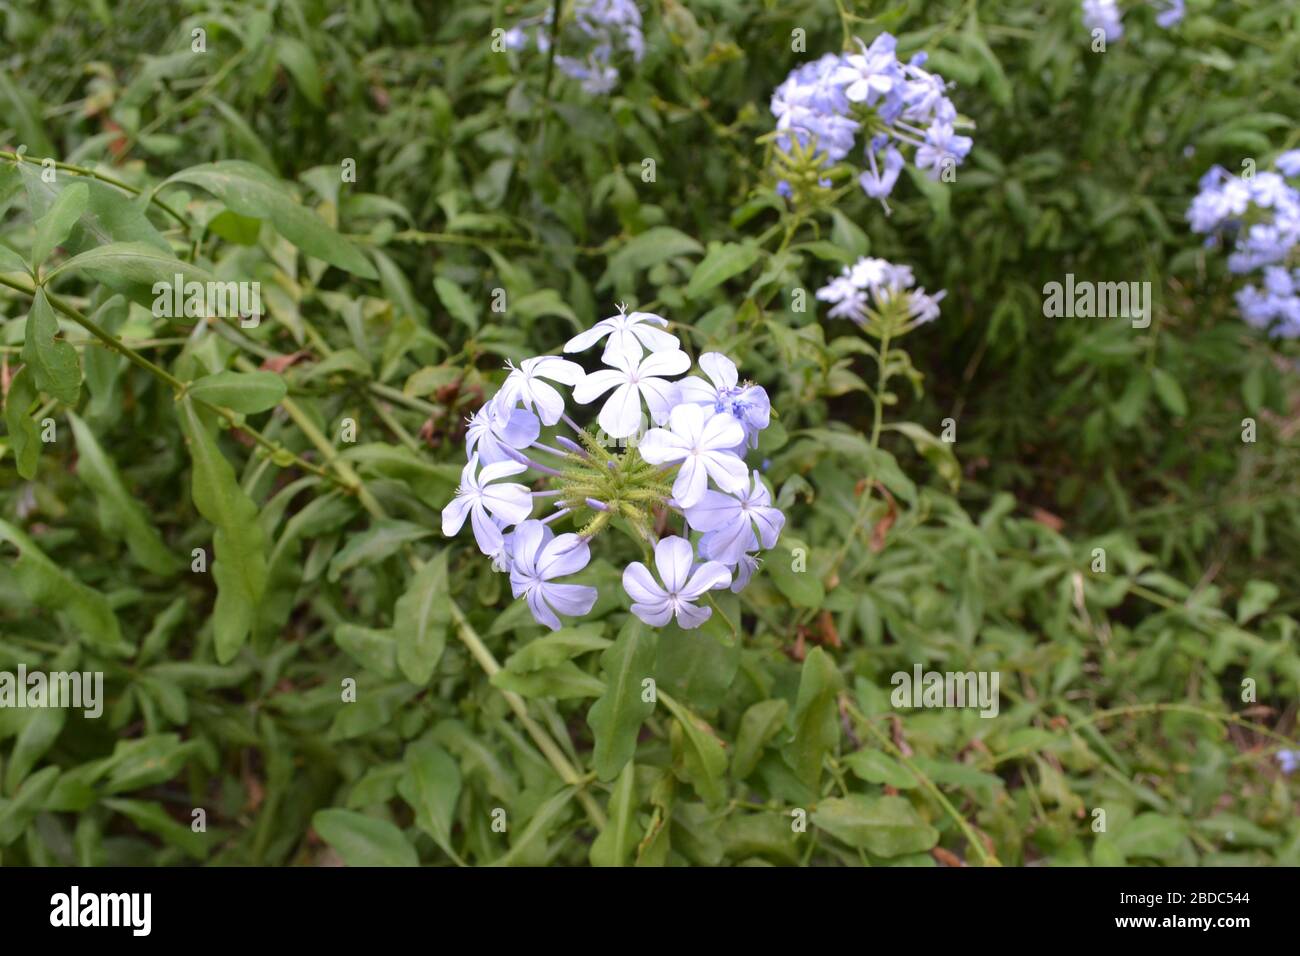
(1103, 15)
(1170, 13)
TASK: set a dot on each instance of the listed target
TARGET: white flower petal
(454, 515)
(621, 414)
(660, 396)
(500, 469)
(674, 557)
(656, 615)
(486, 533)
(660, 446)
(714, 511)
(597, 384)
(669, 362)
(572, 600)
(656, 340)
(696, 390)
(689, 617)
(722, 431)
(641, 586)
(691, 482)
(727, 471)
(585, 340)
(566, 554)
(541, 612)
(720, 369)
(710, 575)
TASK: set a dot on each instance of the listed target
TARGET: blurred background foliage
(1121, 688)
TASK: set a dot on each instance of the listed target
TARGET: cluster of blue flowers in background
(826, 104)
(602, 29)
(1260, 216)
(1105, 15)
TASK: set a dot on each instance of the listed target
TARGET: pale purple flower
(748, 404)
(478, 499)
(627, 332)
(537, 557)
(683, 583)
(941, 144)
(702, 441)
(734, 524)
(491, 436)
(632, 381)
(524, 385)
(1170, 13)
(1103, 15)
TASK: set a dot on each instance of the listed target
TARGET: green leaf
(563, 681)
(1255, 599)
(650, 248)
(239, 563)
(39, 732)
(884, 826)
(24, 436)
(16, 814)
(816, 717)
(614, 845)
(381, 540)
(760, 723)
(530, 847)
(11, 261)
(1169, 392)
(53, 362)
(152, 818)
(55, 226)
(558, 647)
(363, 841)
(246, 392)
(876, 767)
(250, 191)
(374, 649)
(937, 452)
(120, 514)
(421, 619)
(802, 588)
(48, 585)
(722, 262)
(137, 263)
(456, 302)
(615, 719)
(431, 785)
(704, 761)
(1150, 835)
(297, 58)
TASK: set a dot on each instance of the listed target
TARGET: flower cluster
(822, 107)
(1105, 15)
(875, 293)
(1260, 216)
(689, 469)
(602, 28)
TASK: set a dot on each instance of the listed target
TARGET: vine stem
(93, 174)
(470, 638)
(972, 838)
(178, 386)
